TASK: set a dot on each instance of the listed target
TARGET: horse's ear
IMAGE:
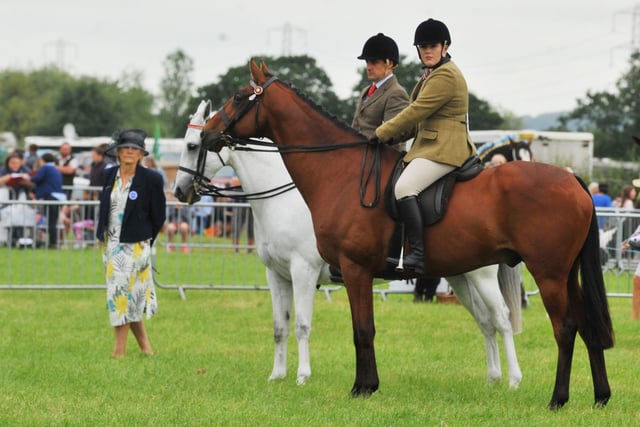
(264, 68)
(255, 71)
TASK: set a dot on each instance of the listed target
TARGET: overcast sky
(526, 57)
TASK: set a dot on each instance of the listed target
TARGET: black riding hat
(432, 31)
(380, 47)
(128, 138)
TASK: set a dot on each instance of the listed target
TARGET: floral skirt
(130, 289)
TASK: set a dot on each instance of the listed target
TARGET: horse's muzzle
(190, 197)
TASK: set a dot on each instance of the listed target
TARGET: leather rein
(203, 186)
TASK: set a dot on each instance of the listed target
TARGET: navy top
(48, 180)
(145, 211)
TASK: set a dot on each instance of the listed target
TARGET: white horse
(286, 244)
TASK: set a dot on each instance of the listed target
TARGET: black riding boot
(412, 218)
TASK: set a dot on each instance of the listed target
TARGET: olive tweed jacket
(438, 113)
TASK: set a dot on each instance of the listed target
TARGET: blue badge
(133, 195)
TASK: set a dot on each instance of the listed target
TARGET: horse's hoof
(601, 402)
(302, 379)
(493, 380)
(555, 405)
(363, 392)
(277, 376)
(514, 382)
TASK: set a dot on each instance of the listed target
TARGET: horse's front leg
(359, 283)
(281, 297)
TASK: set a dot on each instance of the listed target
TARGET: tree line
(41, 101)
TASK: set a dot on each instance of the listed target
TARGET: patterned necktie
(371, 90)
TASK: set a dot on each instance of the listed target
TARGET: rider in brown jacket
(384, 98)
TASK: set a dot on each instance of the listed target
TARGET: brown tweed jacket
(387, 101)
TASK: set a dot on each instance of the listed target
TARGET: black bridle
(222, 138)
(202, 183)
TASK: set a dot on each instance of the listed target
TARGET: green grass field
(214, 354)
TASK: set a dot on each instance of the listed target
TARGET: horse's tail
(510, 279)
(598, 328)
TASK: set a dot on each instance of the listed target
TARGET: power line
(634, 43)
(287, 31)
(61, 48)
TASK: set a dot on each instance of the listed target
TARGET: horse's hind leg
(304, 279)
(490, 309)
(281, 297)
(599, 373)
(464, 289)
(601, 387)
(555, 298)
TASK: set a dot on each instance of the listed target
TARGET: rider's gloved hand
(374, 140)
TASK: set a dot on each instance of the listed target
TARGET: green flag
(156, 142)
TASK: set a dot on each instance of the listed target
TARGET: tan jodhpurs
(418, 175)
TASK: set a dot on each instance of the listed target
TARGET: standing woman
(132, 212)
(438, 112)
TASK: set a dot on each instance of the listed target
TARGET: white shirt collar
(381, 82)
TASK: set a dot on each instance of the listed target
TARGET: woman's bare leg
(120, 335)
(140, 332)
(635, 299)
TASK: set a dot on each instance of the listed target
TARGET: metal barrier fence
(203, 246)
(619, 261)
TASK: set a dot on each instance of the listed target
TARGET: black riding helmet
(432, 31)
(380, 47)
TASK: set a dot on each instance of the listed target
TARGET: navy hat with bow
(128, 138)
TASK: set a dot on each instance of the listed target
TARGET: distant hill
(542, 121)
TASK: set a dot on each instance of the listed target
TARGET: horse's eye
(237, 97)
(191, 146)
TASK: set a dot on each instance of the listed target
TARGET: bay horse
(287, 247)
(521, 211)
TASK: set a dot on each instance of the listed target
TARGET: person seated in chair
(438, 112)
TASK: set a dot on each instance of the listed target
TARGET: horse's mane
(319, 108)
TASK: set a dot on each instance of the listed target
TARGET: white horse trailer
(572, 149)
